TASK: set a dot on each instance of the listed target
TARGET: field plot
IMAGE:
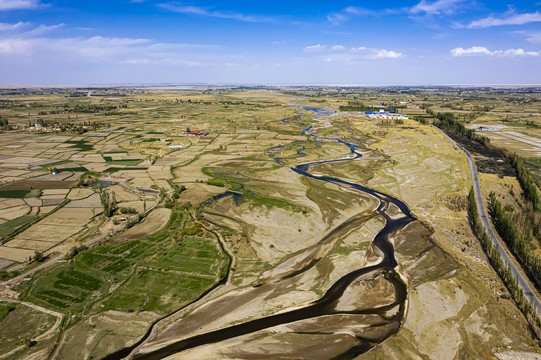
(524, 145)
(51, 230)
(20, 325)
(150, 218)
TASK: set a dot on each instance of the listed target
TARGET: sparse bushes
(128, 210)
(170, 202)
(38, 256)
(108, 200)
(76, 250)
(217, 182)
(191, 230)
(134, 220)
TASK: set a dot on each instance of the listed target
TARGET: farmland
(156, 228)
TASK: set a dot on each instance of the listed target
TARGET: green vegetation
(193, 255)
(171, 201)
(13, 194)
(152, 274)
(448, 122)
(518, 241)
(38, 256)
(155, 290)
(21, 325)
(128, 162)
(134, 220)
(5, 309)
(495, 258)
(262, 200)
(73, 169)
(356, 106)
(127, 210)
(11, 226)
(527, 182)
(221, 182)
(82, 145)
(255, 198)
(108, 200)
(115, 169)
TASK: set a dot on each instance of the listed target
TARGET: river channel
(396, 215)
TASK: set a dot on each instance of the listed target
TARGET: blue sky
(270, 42)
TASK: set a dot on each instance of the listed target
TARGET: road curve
(529, 293)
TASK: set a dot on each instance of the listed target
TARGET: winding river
(397, 216)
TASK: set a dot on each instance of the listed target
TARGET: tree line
(518, 241)
(503, 271)
(448, 122)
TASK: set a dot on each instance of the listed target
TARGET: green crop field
(194, 255)
(91, 275)
(156, 290)
(11, 226)
(81, 145)
(128, 162)
(13, 194)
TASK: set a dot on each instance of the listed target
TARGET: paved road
(522, 283)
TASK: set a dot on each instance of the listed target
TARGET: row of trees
(518, 241)
(527, 182)
(4, 124)
(91, 108)
(448, 122)
(108, 200)
(504, 272)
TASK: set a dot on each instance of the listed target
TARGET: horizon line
(226, 84)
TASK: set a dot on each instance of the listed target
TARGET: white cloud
(516, 52)
(11, 27)
(360, 48)
(511, 19)
(352, 55)
(338, 48)
(337, 18)
(533, 37)
(99, 49)
(18, 4)
(438, 7)
(385, 54)
(42, 29)
(315, 48)
(481, 50)
(196, 10)
(346, 13)
(475, 50)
